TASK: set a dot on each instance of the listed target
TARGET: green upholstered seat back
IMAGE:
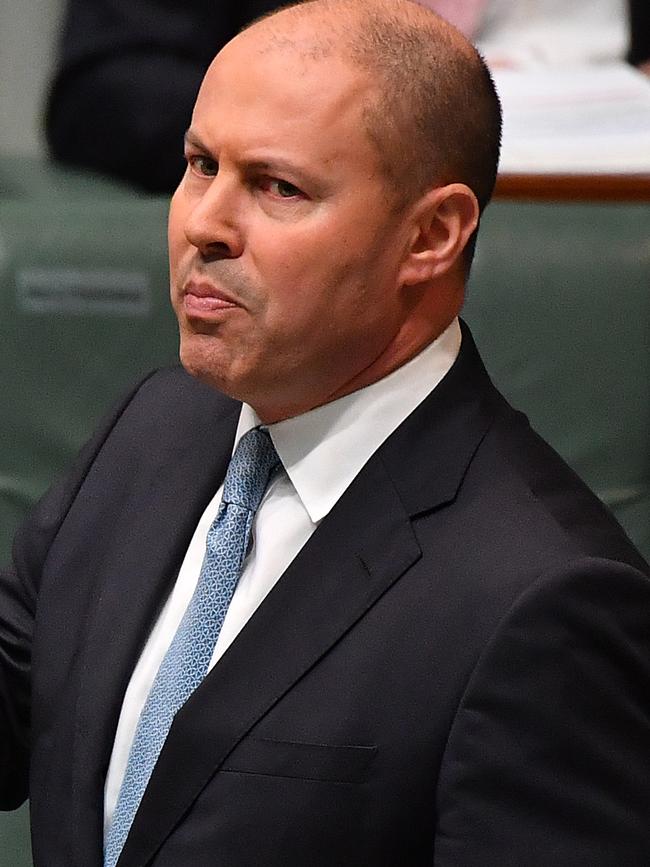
(83, 312)
(559, 303)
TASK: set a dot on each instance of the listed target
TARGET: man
(436, 649)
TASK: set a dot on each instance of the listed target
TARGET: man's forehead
(310, 39)
(288, 72)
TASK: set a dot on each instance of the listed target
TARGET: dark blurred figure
(639, 53)
(127, 78)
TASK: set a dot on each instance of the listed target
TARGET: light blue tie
(186, 662)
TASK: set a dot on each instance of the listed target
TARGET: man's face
(284, 242)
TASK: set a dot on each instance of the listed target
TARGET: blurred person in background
(128, 72)
(127, 78)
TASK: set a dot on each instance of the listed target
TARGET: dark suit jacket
(454, 671)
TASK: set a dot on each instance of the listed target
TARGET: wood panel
(573, 187)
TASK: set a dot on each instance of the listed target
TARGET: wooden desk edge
(576, 188)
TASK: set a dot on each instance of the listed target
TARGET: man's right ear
(444, 219)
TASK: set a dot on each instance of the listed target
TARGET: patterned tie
(186, 662)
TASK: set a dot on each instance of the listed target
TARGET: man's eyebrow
(191, 138)
(271, 165)
(277, 165)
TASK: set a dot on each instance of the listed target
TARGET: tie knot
(249, 470)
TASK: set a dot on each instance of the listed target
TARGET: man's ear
(443, 221)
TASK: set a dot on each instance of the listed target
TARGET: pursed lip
(202, 298)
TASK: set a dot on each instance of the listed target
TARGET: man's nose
(214, 224)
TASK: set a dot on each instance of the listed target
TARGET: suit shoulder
(175, 383)
(543, 497)
(171, 396)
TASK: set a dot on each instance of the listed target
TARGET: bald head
(432, 110)
(318, 239)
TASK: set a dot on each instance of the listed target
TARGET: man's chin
(200, 362)
(203, 361)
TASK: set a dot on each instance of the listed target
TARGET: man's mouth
(202, 298)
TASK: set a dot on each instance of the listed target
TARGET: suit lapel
(133, 587)
(363, 546)
(442, 435)
(318, 599)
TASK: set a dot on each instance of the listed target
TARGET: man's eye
(282, 189)
(204, 166)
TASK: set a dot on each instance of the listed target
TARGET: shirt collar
(324, 449)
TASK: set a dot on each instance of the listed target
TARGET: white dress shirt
(321, 452)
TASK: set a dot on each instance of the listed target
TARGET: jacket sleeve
(548, 759)
(19, 585)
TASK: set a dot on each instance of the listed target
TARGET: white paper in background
(526, 34)
(592, 120)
